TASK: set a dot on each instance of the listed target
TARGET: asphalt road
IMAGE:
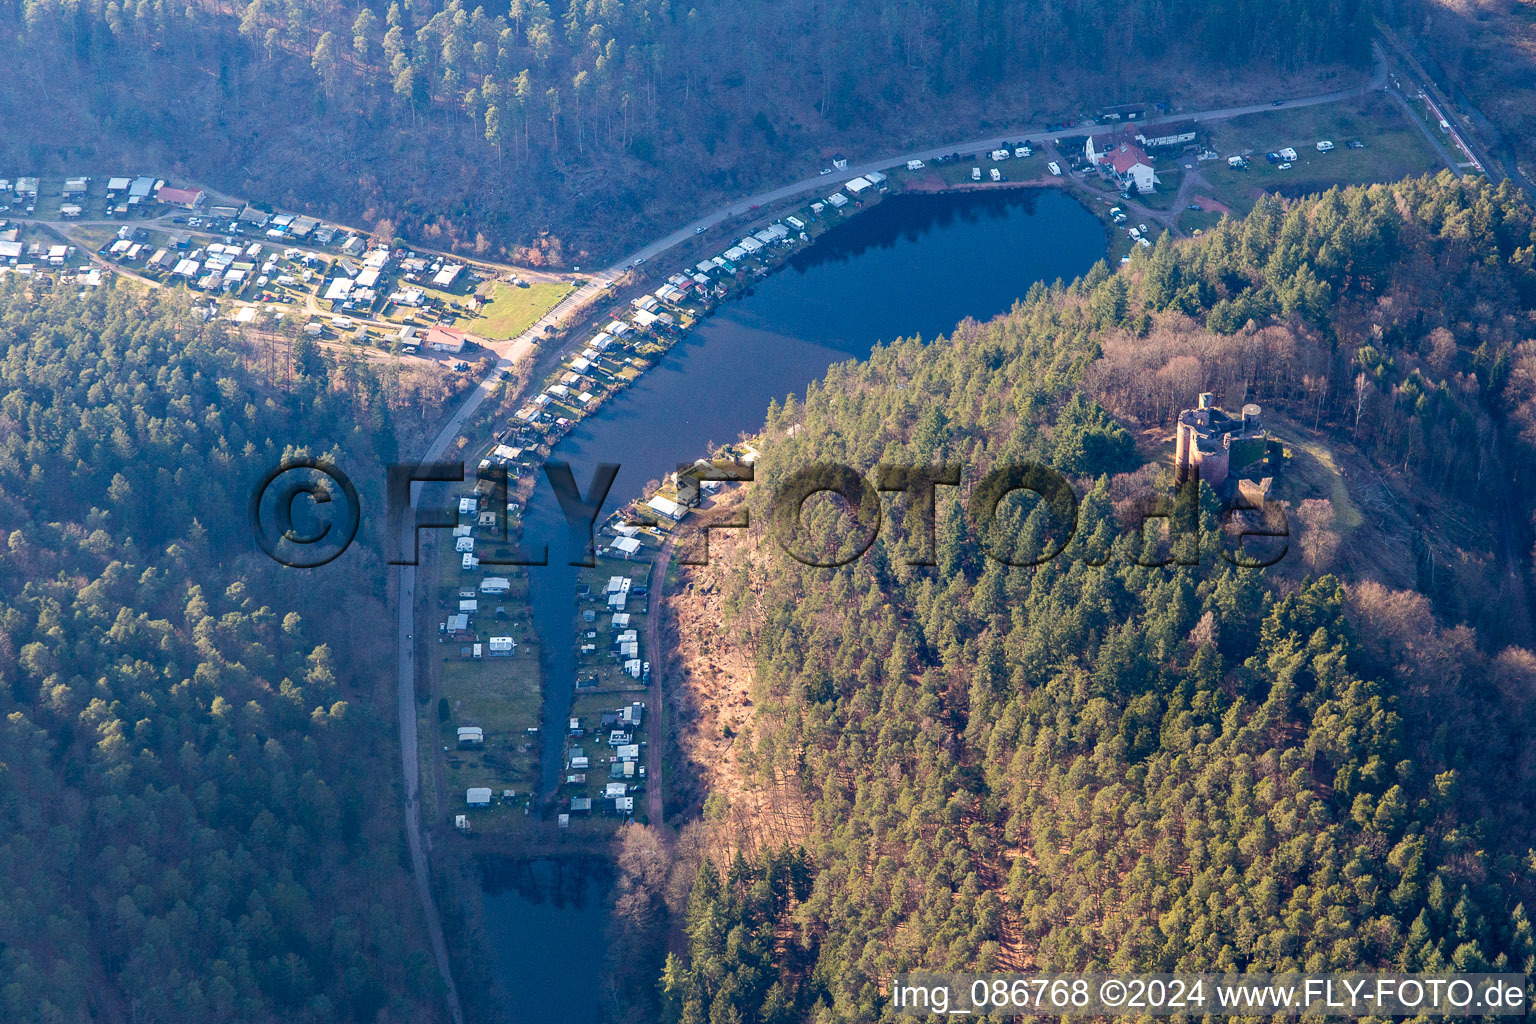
(510, 354)
(831, 182)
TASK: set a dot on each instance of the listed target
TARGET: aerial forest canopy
(483, 126)
(1124, 767)
(192, 823)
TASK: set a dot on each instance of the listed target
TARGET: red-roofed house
(448, 339)
(1131, 167)
(186, 198)
(1118, 155)
(1098, 145)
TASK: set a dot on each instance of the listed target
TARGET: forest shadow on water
(547, 927)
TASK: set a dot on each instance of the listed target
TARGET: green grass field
(501, 695)
(1191, 221)
(1169, 176)
(511, 310)
(1394, 149)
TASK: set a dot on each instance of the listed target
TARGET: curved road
(521, 348)
(831, 182)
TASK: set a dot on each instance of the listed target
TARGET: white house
(1177, 133)
(1127, 163)
(478, 796)
(667, 507)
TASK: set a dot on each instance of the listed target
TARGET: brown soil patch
(710, 666)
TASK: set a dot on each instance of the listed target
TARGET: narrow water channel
(912, 265)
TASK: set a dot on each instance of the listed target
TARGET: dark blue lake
(911, 265)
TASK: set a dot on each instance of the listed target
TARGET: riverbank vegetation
(1128, 767)
(196, 809)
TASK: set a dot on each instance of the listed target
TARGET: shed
(471, 736)
(667, 507)
(478, 796)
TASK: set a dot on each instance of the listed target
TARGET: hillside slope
(1123, 766)
(193, 825)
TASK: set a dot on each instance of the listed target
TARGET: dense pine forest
(1122, 766)
(554, 130)
(197, 821)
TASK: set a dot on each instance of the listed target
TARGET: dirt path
(655, 805)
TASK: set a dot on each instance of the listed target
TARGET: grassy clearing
(93, 235)
(512, 310)
(1394, 149)
(1191, 221)
(501, 695)
(1169, 177)
(1315, 469)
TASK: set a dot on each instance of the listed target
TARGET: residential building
(1177, 133)
(185, 198)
